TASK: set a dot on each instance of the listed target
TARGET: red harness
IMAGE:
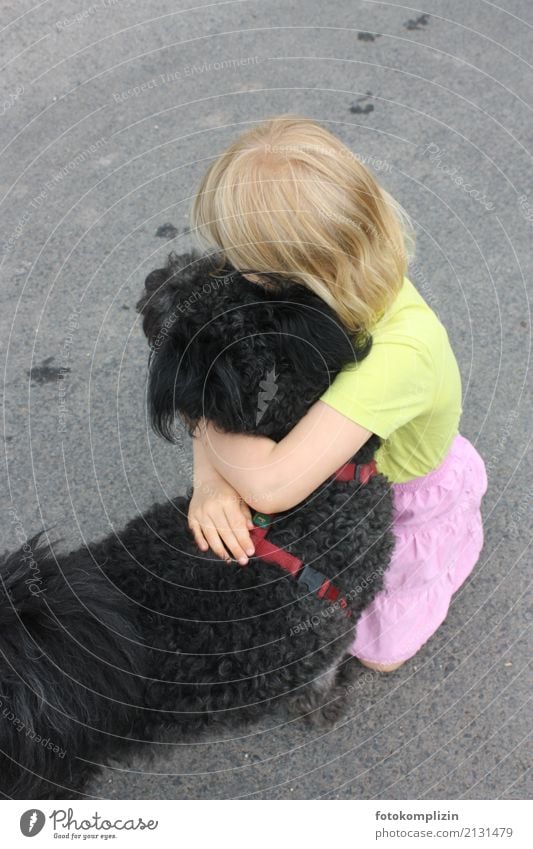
(310, 578)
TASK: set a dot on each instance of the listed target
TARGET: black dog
(142, 631)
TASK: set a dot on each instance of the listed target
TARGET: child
(289, 197)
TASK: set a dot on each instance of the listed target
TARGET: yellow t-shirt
(407, 390)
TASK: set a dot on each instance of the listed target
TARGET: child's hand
(220, 520)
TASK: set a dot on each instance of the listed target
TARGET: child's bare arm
(271, 476)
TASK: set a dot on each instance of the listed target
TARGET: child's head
(289, 197)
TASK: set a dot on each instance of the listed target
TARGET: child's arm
(271, 476)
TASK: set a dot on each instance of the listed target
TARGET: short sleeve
(394, 384)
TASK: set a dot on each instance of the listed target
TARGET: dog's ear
(176, 386)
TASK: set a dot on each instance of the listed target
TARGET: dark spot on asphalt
(45, 373)
(417, 23)
(167, 231)
(368, 36)
(362, 109)
(357, 109)
(125, 307)
(523, 324)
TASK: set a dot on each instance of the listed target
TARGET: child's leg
(382, 667)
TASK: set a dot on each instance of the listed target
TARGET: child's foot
(382, 667)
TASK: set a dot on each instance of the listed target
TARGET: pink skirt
(439, 536)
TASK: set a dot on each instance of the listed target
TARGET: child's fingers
(199, 538)
(215, 543)
(237, 529)
(230, 541)
(247, 513)
(225, 532)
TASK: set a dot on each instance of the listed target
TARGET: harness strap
(313, 580)
(266, 550)
(359, 473)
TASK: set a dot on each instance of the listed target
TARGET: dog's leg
(330, 697)
(324, 699)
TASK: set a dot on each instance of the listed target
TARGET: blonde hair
(288, 197)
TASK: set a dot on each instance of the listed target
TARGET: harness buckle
(311, 579)
(261, 520)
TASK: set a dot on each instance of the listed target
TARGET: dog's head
(250, 357)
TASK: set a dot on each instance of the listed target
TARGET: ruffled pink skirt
(439, 536)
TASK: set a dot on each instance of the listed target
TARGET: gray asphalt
(110, 113)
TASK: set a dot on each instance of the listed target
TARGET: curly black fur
(71, 672)
(141, 631)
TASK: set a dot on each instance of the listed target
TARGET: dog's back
(228, 640)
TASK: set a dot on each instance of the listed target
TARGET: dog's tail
(71, 671)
